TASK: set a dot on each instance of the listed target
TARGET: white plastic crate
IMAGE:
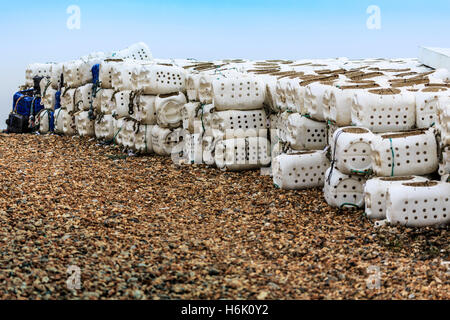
(37, 70)
(443, 121)
(342, 190)
(313, 102)
(305, 134)
(192, 86)
(43, 118)
(384, 110)
(155, 79)
(375, 192)
(242, 154)
(84, 125)
(83, 97)
(300, 170)
(143, 139)
(168, 109)
(245, 93)
(189, 115)
(427, 102)
(419, 204)
(240, 124)
(403, 154)
(351, 150)
(104, 127)
(67, 99)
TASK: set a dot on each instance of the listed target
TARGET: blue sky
(35, 31)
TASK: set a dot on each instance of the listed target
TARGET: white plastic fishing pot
(294, 98)
(128, 133)
(418, 204)
(84, 125)
(337, 103)
(143, 139)
(44, 118)
(72, 74)
(404, 154)
(123, 74)
(119, 124)
(193, 148)
(134, 104)
(161, 140)
(144, 110)
(240, 124)
(384, 110)
(242, 154)
(67, 99)
(83, 97)
(208, 150)
(137, 51)
(55, 77)
(375, 192)
(68, 122)
(37, 70)
(313, 102)
(305, 134)
(443, 121)
(444, 165)
(104, 127)
(351, 150)
(168, 109)
(158, 79)
(427, 102)
(205, 94)
(280, 95)
(189, 116)
(104, 101)
(245, 93)
(192, 86)
(300, 170)
(59, 121)
(342, 190)
(270, 92)
(48, 99)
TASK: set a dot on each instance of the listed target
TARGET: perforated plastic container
(305, 134)
(128, 134)
(45, 118)
(419, 204)
(351, 150)
(83, 97)
(137, 51)
(104, 127)
(342, 190)
(242, 154)
(48, 98)
(205, 94)
(67, 99)
(59, 120)
(375, 192)
(280, 95)
(37, 70)
(68, 122)
(245, 93)
(427, 102)
(104, 101)
(158, 79)
(240, 124)
(193, 148)
(55, 76)
(192, 86)
(84, 125)
(300, 170)
(122, 75)
(168, 109)
(164, 139)
(143, 139)
(403, 154)
(384, 110)
(313, 102)
(443, 121)
(119, 124)
(444, 165)
(72, 74)
(189, 115)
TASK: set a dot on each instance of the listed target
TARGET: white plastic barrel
(305, 134)
(244, 93)
(403, 154)
(158, 79)
(143, 139)
(427, 102)
(168, 109)
(104, 127)
(84, 125)
(240, 124)
(192, 86)
(351, 150)
(37, 70)
(67, 99)
(419, 204)
(384, 110)
(342, 190)
(44, 118)
(300, 170)
(242, 154)
(375, 192)
(83, 97)
(314, 94)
